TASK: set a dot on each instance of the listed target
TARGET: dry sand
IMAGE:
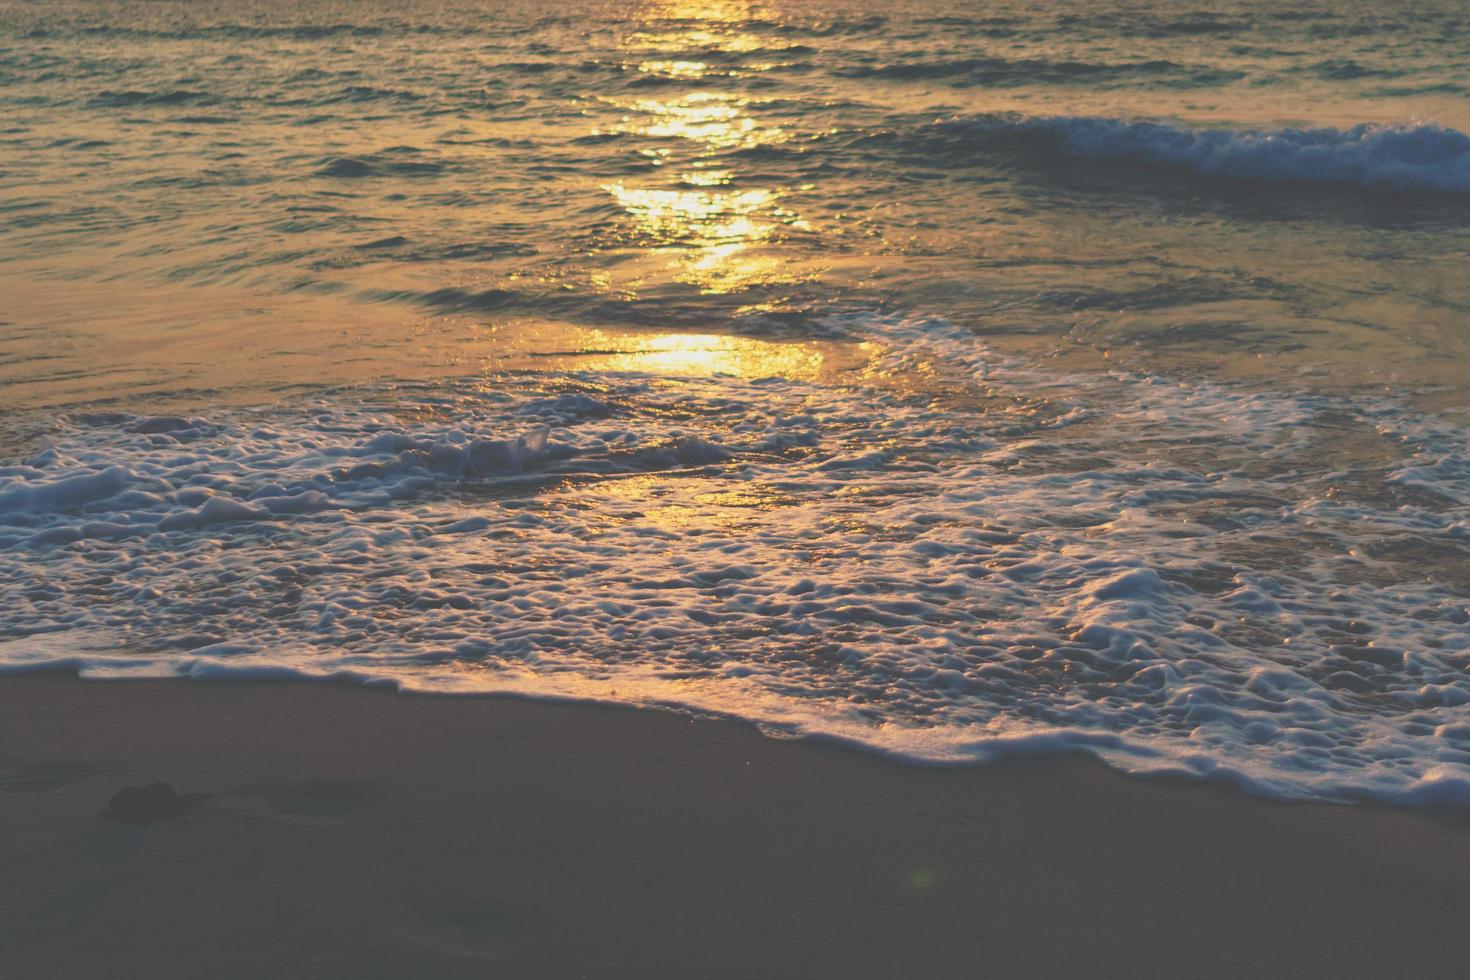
(356, 833)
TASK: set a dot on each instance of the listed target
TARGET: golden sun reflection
(715, 119)
(650, 493)
(674, 69)
(702, 354)
(705, 178)
(535, 344)
(692, 213)
(677, 506)
(709, 232)
(698, 23)
(717, 235)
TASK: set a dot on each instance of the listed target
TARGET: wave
(1403, 157)
(293, 32)
(168, 97)
(398, 161)
(1007, 72)
(1045, 563)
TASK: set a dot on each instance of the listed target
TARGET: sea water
(951, 380)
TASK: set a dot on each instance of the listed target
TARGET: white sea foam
(1416, 156)
(1186, 578)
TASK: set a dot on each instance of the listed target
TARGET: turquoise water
(948, 379)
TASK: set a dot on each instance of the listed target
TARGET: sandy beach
(352, 832)
(734, 490)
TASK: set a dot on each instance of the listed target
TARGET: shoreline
(358, 832)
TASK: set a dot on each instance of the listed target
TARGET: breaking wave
(1407, 157)
(1176, 578)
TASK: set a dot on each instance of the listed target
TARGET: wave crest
(1417, 156)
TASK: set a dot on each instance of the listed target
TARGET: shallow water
(950, 380)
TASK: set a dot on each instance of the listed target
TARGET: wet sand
(361, 833)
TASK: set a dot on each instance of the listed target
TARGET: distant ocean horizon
(953, 381)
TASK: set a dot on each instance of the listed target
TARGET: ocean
(950, 380)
